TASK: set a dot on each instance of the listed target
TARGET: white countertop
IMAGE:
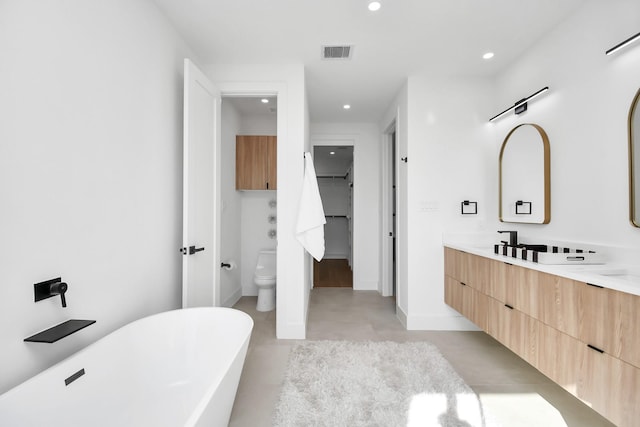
(620, 277)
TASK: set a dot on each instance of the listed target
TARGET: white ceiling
(405, 37)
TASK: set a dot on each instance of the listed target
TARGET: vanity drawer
(559, 303)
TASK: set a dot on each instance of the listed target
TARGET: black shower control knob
(58, 288)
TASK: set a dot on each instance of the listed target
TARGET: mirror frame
(632, 199)
(547, 174)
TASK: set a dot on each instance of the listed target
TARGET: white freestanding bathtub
(178, 368)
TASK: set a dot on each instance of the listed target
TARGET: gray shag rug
(345, 383)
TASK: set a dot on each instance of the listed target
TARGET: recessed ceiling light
(374, 5)
(346, 106)
(264, 100)
(487, 55)
(332, 152)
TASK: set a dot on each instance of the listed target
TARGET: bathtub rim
(86, 348)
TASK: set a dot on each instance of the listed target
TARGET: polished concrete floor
(513, 391)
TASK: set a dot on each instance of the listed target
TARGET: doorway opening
(248, 191)
(334, 170)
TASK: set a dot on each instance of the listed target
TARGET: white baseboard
(335, 255)
(292, 331)
(440, 323)
(364, 285)
(402, 316)
(232, 299)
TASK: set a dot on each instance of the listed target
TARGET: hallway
(516, 393)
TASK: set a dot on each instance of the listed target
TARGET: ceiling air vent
(337, 52)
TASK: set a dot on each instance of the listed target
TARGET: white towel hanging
(311, 220)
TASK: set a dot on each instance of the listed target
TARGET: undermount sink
(545, 254)
(621, 273)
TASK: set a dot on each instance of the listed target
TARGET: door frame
(386, 243)
(256, 90)
(324, 140)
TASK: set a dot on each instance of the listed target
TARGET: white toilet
(265, 279)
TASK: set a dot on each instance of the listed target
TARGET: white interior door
(200, 234)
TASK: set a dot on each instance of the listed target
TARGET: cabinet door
(521, 289)
(453, 294)
(466, 301)
(272, 162)
(497, 280)
(610, 386)
(480, 312)
(450, 262)
(463, 267)
(255, 161)
(558, 357)
(558, 303)
(479, 273)
(600, 325)
(630, 329)
(514, 329)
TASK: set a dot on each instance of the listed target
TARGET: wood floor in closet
(332, 273)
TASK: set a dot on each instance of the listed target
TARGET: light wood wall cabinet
(256, 162)
(584, 337)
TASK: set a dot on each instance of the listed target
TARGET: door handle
(193, 250)
(190, 250)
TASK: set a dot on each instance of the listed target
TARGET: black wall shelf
(60, 331)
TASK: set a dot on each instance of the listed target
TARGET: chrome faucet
(513, 237)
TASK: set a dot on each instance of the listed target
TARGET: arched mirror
(634, 161)
(525, 183)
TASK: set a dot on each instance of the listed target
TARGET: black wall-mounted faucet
(50, 288)
(513, 237)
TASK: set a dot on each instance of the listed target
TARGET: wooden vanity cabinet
(469, 269)
(465, 299)
(256, 162)
(585, 338)
(558, 301)
(630, 330)
(600, 322)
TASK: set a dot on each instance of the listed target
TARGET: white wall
(90, 170)
(448, 150)
(366, 194)
(255, 233)
(288, 83)
(440, 126)
(230, 247)
(585, 115)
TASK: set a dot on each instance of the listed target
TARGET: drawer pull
(463, 284)
(509, 306)
(595, 348)
(595, 286)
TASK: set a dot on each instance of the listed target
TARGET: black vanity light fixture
(625, 43)
(520, 106)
